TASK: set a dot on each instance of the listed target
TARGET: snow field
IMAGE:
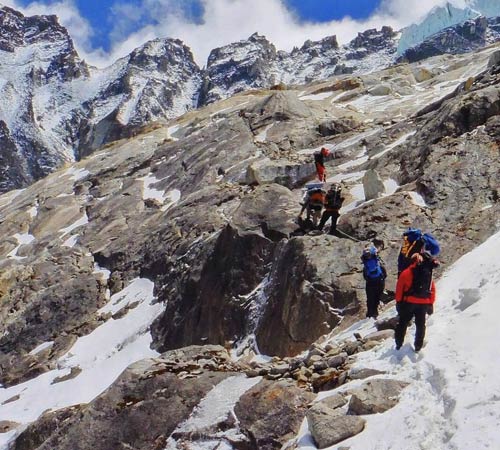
(452, 402)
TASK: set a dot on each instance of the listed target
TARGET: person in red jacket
(415, 296)
(319, 161)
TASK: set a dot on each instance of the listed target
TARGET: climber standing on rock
(319, 161)
(333, 203)
(374, 274)
(415, 296)
(312, 202)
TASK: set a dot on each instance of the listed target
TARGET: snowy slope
(452, 400)
(92, 364)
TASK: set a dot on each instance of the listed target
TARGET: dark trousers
(324, 218)
(408, 311)
(374, 290)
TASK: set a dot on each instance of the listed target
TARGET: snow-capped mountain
(37, 64)
(255, 63)
(57, 109)
(159, 80)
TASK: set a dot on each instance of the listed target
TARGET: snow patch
(84, 220)
(101, 355)
(317, 97)
(75, 174)
(262, 136)
(173, 196)
(217, 405)
(22, 239)
(417, 199)
(41, 347)
(149, 193)
(391, 186)
(70, 242)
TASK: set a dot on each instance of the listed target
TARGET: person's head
(335, 187)
(378, 244)
(325, 151)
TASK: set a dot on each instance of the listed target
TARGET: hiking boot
(398, 346)
(418, 348)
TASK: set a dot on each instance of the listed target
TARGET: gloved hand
(430, 309)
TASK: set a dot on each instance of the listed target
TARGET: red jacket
(403, 285)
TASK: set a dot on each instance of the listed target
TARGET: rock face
(149, 400)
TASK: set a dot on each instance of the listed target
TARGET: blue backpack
(431, 244)
(371, 263)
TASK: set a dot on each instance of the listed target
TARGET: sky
(108, 29)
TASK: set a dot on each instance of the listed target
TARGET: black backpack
(333, 199)
(422, 279)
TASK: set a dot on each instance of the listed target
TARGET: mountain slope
(185, 235)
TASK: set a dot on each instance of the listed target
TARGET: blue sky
(104, 30)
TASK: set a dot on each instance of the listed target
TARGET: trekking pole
(348, 235)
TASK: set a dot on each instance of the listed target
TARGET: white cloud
(223, 21)
(226, 21)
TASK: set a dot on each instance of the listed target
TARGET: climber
(415, 296)
(312, 202)
(333, 203)
(414, 241)
(319, 161)
(374, 274)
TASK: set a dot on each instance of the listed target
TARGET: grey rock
(337, 361)
(362, 373)
(375, 396)
(379, 90)
(271, 413)
(373, 186)
(380, 335)
(494, 59)
(329, 427)
(334, 401)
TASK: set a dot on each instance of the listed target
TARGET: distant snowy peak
(158, 80)
(255, 63)
(236, 67)
(465, 37)
(18, 32)
(446, 16)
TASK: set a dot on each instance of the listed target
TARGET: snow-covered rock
(442, 17)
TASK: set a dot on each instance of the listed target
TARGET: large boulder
(330, 426)
(375, 396)
(271, 413)
(306, 295)
(373, 186)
